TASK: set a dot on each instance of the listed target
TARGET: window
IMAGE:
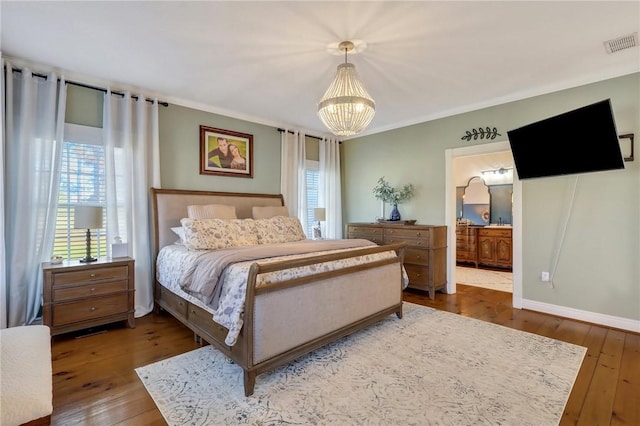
(312, 177)
(82, 182)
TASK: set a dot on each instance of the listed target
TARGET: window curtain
(132, 167)
(293, 176)
(329, 187)
(33, 123)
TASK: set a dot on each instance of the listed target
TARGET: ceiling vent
(621, 43)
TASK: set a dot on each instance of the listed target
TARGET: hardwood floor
(94, 382)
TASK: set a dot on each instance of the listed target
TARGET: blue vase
(395, 214)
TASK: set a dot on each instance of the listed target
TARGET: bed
(291, 303)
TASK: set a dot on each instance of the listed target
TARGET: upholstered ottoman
(26, 391)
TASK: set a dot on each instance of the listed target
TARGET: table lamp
(319, 216)
(87, 217)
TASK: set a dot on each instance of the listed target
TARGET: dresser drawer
(91, 275)
(88, 290)
(465, 255)
(173, 303)
(418, 275)
(494, 232)
(408, 232)
(416, 256)
(68, 313)
(411, 242)
(378, 239)
(369, 230)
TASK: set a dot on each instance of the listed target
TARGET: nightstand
(82, 295)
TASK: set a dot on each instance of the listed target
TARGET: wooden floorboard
(94, 382)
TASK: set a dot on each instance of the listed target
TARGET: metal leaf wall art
(481, 133)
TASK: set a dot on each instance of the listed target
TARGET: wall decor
(225, 152)
(626, 146)
(481, 133)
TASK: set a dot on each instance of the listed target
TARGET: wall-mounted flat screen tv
(580, 141)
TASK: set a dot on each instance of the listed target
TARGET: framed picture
(225, 152)
(626, 145)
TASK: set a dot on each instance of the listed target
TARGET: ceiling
(268, 62)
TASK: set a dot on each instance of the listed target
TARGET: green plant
(385, 192)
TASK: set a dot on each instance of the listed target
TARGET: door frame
(450, 215)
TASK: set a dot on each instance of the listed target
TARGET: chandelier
(346, 108)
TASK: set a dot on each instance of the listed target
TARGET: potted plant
(384, 192)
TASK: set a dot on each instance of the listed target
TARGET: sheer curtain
(293, 176)
(132, 167)
(329, 187)
(33, 122)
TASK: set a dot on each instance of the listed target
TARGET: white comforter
(189, 273)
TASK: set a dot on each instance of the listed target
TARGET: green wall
(598, 260)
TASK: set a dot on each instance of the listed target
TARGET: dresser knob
(93, 308)
(92, 290)
(418, 234)
(92, 275)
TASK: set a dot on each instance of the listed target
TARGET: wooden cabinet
(81, 295)
(425, 257)
(495, 247)
(467, 244)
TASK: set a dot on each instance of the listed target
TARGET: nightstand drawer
(89, 290)
(68, 313)
(91, 275)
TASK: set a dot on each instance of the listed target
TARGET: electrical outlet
(544, 276)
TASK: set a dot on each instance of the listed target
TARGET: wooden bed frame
(285, 320)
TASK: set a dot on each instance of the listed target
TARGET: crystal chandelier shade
(346, 108)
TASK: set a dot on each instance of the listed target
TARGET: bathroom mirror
(476, 201)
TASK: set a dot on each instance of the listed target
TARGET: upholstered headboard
(170, 205)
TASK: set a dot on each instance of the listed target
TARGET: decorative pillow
(211, 211)
(279, 229)
(213, 234)
(179, 232)
(269, 212)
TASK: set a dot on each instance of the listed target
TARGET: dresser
(467, 244)
(495, 247)
(82, 295)
(425, 255)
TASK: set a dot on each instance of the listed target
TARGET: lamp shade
(319, 214)
(87, 217)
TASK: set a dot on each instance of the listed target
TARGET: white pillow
(269, 212)
(211, 211)
(179, 232)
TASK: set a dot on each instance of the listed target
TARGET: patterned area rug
(429, 368)
(495, 280)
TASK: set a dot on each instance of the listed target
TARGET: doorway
(451, 215)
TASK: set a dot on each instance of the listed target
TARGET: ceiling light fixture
(346, 108)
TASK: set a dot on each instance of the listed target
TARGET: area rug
(429, 368)
(477, 277)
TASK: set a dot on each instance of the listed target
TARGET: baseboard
(592, 317)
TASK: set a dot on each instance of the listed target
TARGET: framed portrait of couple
(225, 152)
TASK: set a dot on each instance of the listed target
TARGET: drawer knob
(193, 311)
(92, 275)
(92, 289)
(93, 308)
(180, 303)
(418, 234)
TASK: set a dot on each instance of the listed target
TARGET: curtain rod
(87, 86)
(308, 136)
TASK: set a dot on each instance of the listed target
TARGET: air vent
(621, 43)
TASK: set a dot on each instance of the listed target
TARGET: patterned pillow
(211, 211)
(212, 234)
(279, 229)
